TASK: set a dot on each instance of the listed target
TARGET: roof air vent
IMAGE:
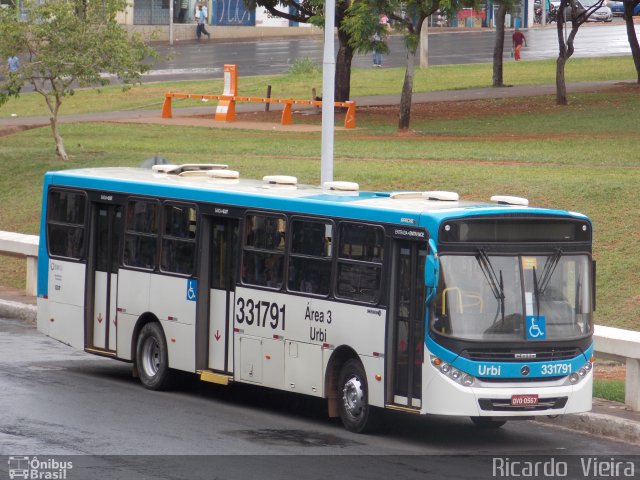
(434, 195)
(280, 180)
(341, 186)
(508, 200)
(441, 196)
(188, 169)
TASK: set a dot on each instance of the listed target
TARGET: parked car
(601, 14)
(617, 8)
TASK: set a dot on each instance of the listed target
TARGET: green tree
(498, 48)
(629, 6)
(568, 11)
(409, 17)
(65, 44)
(312, 11)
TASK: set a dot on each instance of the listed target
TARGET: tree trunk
(60, 151)
(343, 69)
(561, 86)
(53, 120)
(498, 49)
(631, 35)
(407, 91)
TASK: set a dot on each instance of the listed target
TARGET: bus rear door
(406, 324)
(218, 267)
(105, 241)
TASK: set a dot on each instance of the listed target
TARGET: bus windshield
(494, 297)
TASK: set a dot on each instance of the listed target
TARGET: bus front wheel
(355, 412)
(152, 358)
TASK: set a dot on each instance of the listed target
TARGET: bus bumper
(444, 396)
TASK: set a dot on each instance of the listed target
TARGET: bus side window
(263, 252)
(310, 257)
(178, 239)
(65, 224)
(360, 262)
(141, 234)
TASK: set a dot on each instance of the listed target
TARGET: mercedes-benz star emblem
(525, 370)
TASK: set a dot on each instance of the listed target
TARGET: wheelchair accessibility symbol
(192, 288)
(536, 327)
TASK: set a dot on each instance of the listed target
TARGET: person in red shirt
(518, 40)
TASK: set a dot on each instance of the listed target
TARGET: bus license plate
(524, 400)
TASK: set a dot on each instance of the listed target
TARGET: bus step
(99, 351)
(400, 408)
(212, 377)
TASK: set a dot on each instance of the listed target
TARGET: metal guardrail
(610, 343)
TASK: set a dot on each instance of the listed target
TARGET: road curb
(598, 424)
(27, 313)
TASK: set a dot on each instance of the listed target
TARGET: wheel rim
(353, 397)
(151, 357)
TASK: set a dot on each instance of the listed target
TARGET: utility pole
(170, 22)
(328, 92)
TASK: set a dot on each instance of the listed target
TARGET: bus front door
(406, 325)
(102, 277)
(223, 263)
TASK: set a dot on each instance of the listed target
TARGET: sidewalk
(607, 419)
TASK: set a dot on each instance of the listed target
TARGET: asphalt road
(193, 60)
(58, 402)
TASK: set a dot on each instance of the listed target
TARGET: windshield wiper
(536, 290)
(547, 271)
(496, 284)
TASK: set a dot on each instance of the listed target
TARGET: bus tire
(487, 422)
(353, 398)
(152, 358)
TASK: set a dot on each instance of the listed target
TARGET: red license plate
(524, 400)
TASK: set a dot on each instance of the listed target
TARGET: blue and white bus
(413, 301)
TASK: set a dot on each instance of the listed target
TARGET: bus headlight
(453, 373)
(467, 380)
(582, 372)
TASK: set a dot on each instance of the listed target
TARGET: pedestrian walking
(13, 63)
(518, 40)
(377, 53)
(202, 21)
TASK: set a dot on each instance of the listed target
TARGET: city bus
(413, 301)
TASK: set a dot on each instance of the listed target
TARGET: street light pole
(328, 93)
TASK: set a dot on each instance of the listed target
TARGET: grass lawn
(363, 82)
(584, 157)
(609, 389)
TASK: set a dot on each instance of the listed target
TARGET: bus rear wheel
(487, 422)
(355, 412)
(152, 358)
